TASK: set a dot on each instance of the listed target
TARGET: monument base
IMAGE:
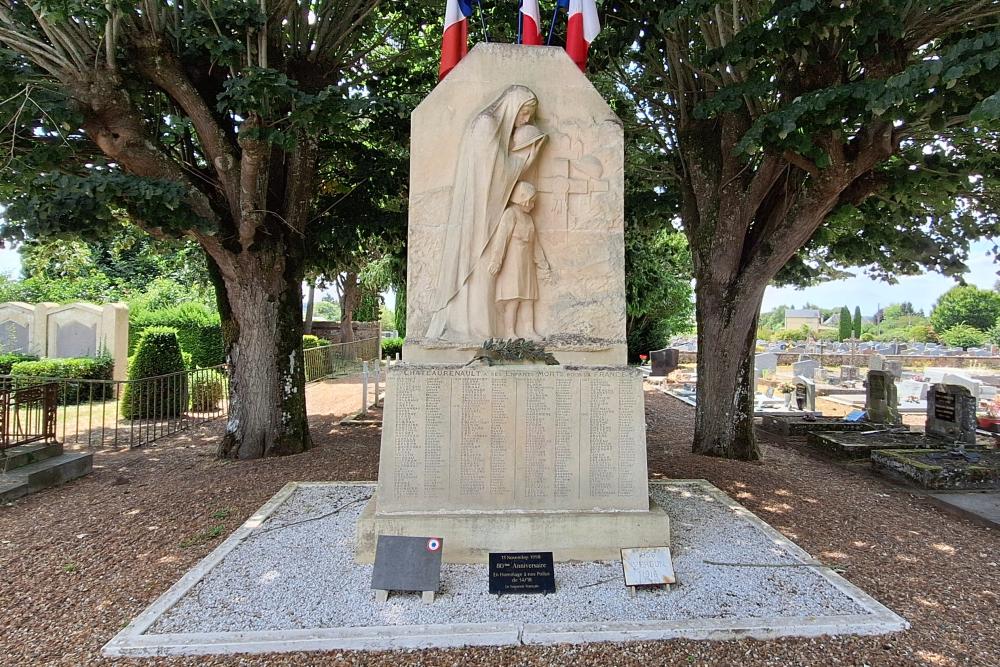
(469, 537)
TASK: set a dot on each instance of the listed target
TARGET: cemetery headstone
(951, 414)
(664, 361)
(533, 457)
(881, 402)
(895, 367)
(407, 564)
(821, 375)
(848, 373)
(805, 367)
(975, 387)
(520, 573)
(766, 361)
(805, 394)
(876, 362)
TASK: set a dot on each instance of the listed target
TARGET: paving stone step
(43, 474)
(22, 455)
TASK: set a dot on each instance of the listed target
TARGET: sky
(870, 295)
(922, 291)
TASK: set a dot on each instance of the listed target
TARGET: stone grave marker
(805, 367)
(513, 456)
(521, 573)
(648, 566)
(951, 414)
(881, 401)
(911, 391)
(848, 373)
(805, 394)
(821, 375)
(876, 362)
(975, 387)
(407, 564)
(664, 361)
(766, 361)
(894, 367)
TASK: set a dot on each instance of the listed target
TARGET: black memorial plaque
(407, 563)
(944, 406)
(800, 396)
(522, 572)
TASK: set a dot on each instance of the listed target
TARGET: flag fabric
(581, 29)
(531, 23)
(455, 40)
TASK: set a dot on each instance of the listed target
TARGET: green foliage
(400, 310)
(73, 368)
(387, 319)
(391, 347)
(993, 335)
(158, 353)
(368, 308)
(658, 301)
(922, 333)
(966, 304)
(867, 337)
(856, 325)
(844, 324)
(796, 335)
(208, 388)
(198, 330)
(309, 341)
(326, 310)
(8, 359)
(964, 336)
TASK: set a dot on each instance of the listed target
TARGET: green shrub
(208, 388)
(198, 330)
(390, 346)
(159, 353)
(964, 336)
(10, 358)
(309, 341)
(27, 373)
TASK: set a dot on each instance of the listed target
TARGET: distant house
(794, 319)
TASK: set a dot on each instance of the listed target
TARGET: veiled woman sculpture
(499, 146)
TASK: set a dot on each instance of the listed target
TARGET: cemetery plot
(941, 469)
(801, 425)
(248, 596)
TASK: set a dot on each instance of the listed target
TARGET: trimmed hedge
(208, 388)
(7, 360)
(198, 331)
(309, 341)
(159, 353)
(72, 368)
(390, 346)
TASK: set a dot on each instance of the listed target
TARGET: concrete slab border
(134, 642)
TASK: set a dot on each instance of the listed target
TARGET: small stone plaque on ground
(522, 572)
(647, 566)
(407, 563)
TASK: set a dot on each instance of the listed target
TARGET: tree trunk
(350, 295)
(307, 326)
(261, 308)
(727, 335)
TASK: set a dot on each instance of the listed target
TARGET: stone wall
(861, 360)
(331, 330)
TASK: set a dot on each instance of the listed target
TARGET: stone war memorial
(516, 231)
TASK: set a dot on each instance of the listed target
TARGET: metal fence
(116, 413)
(28, 415)
(339, 359)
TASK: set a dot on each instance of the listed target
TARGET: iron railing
(124, 413)
(339, 359)
(28, 415)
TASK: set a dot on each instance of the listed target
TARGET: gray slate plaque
(407, 563)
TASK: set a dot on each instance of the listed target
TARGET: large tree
(202, 120)
(771, 118)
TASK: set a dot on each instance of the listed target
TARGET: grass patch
(204, 536)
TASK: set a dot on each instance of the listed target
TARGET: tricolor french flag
(531, 23)
(581, 30)
(455, 40)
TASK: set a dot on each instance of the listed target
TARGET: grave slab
(797, 425)
(941, 469)
(736, 577)
(980, 506)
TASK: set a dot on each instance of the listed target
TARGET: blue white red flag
(455, 39)
(531, 23)
(581, 29)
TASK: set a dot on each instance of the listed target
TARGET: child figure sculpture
(515, 258)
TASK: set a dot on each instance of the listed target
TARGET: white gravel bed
(295, 571)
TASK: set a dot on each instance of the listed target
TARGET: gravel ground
(79, 562)
(255, 588)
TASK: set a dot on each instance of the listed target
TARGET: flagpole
(482, 19)
(552, 25)
(520, 22)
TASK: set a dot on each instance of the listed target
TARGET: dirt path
(79, 562)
